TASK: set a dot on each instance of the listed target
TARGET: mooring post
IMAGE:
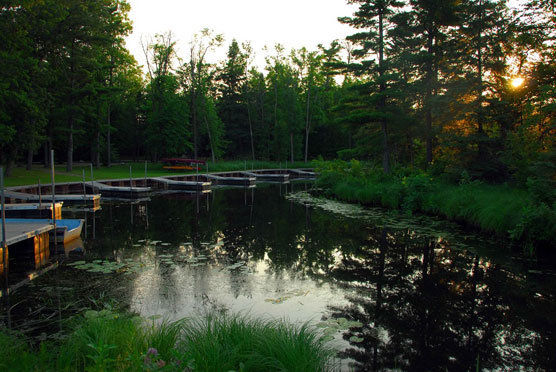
(84, 191)
(4, 245)
(54, 197)
(130, 183)
(40, 196)
(92, 179)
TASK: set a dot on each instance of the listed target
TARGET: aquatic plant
(106, 340)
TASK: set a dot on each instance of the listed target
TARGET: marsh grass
(224, 343)
(498, 209)
(110, 341)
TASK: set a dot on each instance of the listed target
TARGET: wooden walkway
(18, 232)
(67, 199)
(168, 184)
(118, 191)
(268, 177)
(232, 181)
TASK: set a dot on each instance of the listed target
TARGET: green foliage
(106, 340)
(234, 343)
(524, 215)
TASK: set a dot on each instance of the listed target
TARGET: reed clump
(113, 341)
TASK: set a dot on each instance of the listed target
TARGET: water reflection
(424, 294)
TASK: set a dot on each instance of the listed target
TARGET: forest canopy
(452, 86)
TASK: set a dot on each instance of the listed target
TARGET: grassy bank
(110, 341)
(518, 214)
(21, 176)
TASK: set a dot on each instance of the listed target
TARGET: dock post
(130, 183)
(40, 196)
(84, 190)
(4, 245)
(54, 197)
(92, 178)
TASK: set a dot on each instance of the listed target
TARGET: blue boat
(66, 229)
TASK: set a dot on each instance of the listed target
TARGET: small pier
(15, 197)
(268, 176)
(166, 183)
(32, 210)
(117, 188)
(230, 179)
(26, 239)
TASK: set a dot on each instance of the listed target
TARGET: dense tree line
(424, 83)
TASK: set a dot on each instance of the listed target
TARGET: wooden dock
(302, 174)
(15, 197)
(268, 176)
(170, 184)
(233, 180)
(32, 210)
(106, 189)
(26, 238)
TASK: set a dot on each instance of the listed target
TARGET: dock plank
(17, 232)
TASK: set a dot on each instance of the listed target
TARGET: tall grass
(499, 209)
(224, 343)
(110, 341)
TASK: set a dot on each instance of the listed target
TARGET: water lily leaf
(330, 330)
(327, 338)
(76, 263)
(356, 339)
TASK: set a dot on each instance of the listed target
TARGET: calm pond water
(389, 291)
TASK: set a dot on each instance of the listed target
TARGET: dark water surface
(390, 292)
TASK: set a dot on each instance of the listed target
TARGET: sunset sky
(292, 23)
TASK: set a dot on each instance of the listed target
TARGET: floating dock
(15, 197)
(105, 189)
(26, 238)
(234, 179)
(178, 185)
(32, 210)
(302, 174)
(268, 176)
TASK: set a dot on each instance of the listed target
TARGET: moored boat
(66, 229)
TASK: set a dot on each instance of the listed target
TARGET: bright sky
(292, 23)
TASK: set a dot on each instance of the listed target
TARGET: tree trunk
(210, 141)
(428, 98)
(307, 123)
(291, 146)
(97, 152)
(108, 140)
(69, 166)
(382, 98)
(251, 131)
(29, 159)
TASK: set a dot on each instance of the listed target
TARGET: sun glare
(517, 82)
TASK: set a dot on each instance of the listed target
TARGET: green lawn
(21, 176)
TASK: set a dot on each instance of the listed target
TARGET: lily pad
(356, 339)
